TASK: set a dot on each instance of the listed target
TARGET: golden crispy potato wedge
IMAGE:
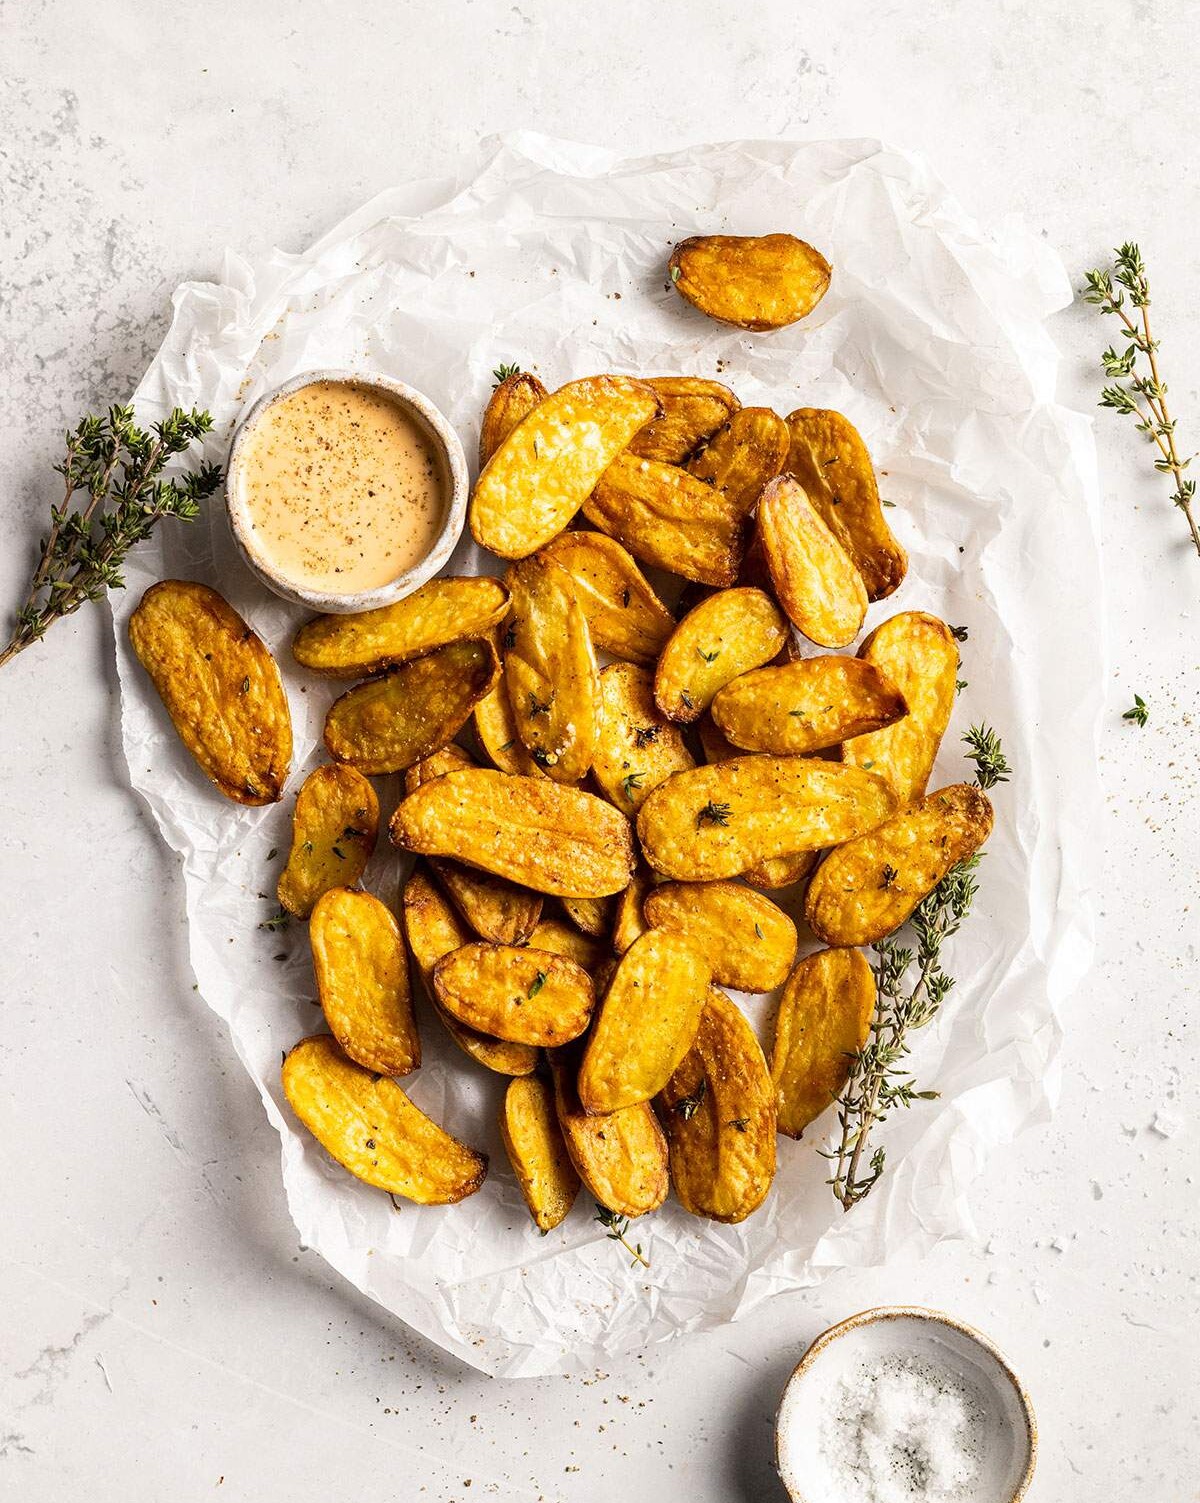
(869, 887)
(550, 672)
(624, 615)
(753, 281)
(804, 706)
(692, 411)
(362, 981)
(918, 653)
(718, 821)
(546, 468)
(557, 840)
(592, 915)
(813, 577)
(831, 462)
(646, 1022)
(667, 517)
(824, 1019)
(440, 612)
(534, 1143)
(334, 826)
(629, 922)
(511, 402)
(220, 685)
(388, 723)
(434, 929)
(496, 728)
(561, 938)
(726, 635)
(637, 748)
(523, 995)
(750, 449)
(368, 1124)
(748, 941)
(621, 1157)
(719, 1112)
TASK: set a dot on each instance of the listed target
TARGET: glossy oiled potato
(747, 940)
(637, 747)
(813, 577)
(534, 1143)
(496, 731)
(724, 636)
(512, 400)
(824, 1019)
(749, 450)
(692, 411)
(334, 826)
(806, 706)
(621, 1157)
(624, 615)
(362, 981)
(523, 995)
(753, 281)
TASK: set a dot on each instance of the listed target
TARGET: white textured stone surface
(164, 1336)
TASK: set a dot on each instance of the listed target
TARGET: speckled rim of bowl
(435, 423)
(933, 1317)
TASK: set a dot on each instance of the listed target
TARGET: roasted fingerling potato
(823, 1020)
(496, 731)
(624, 615)
(511, 402)
(362, 981)
(334, 827)
(693, 409)
(726, 635)
(741, 457)
(620, 1157)
(516, 993)
(812, 575)
(747, 940)
(637, 747)
(806, 706)
(753, 281)
(537, 1151)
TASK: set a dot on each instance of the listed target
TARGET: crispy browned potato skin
(693, 410)
(828, 457)
(800, 707)
(824, 1019)
(814, 578)
(722, 1151)
(510, 403)
(545, 469)
(747, 940)
(665, 516)
(919, 654)
(334, 827)
(629, 922)
(867, 888)
(749, 450)
(622, 1157)
(439, 612)
(362, 981)
(554, 839)
(508, 992)
(434, 929)
(726, 635)
(752, 281)
(368, 1124)
(593, 916)
(624, 615)
(637, 747)
(388, 723)
(534, 1143)
(220, 686)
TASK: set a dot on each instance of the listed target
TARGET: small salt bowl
(904, 1405)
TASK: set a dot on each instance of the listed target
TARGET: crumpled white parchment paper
(932, 340)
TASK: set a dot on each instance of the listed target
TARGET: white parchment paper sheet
(932, 340)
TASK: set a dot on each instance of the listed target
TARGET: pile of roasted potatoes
(604, 850)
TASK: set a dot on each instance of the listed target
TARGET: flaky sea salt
(899, 1429)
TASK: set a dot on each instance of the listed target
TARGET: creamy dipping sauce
(342, 488)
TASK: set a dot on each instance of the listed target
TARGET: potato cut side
(814, 579)
(439, 612)
(726, 635)
(646, 1022)
(749, 450)
(719, 821)
(434, 929)
(496, 728)
(629, 922)
(550, 672)
(548, 465)
(867, 888)
(511, 402)
(534, 1143)
(692, 411)
(824, 1019)
(220, 686)
(523, 995)
(747, 940)
(719, 1112)
(665, 516)
(388, 723)
(368, 1124)
(806, 706)
(334, 827)
(622, 1157)
(624, 615)
(592, 915)
(753, 281)
(556, 840)
(362, 981)
(830, 460)
(561, 938)
(919, 654)
(637, 747)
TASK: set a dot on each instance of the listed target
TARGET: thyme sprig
(617, 1227)
(116, 468)
(503, 372)
(1138, 712)
(991, 765)
(1145, 395)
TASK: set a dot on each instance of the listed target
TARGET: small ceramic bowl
(1008, 1430)
(433, 423)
